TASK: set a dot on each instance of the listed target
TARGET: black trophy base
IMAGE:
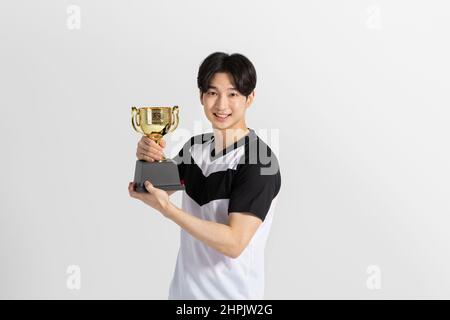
(163, 175)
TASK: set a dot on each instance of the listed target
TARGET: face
(224, 106)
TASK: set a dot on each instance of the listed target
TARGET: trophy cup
(155, 122)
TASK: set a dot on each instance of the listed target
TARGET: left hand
(155, 198)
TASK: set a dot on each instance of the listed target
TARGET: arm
(229, 239)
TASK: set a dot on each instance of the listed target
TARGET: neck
(226, 137)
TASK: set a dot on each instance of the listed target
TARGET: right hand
(149, 150)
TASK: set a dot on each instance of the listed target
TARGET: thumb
(162, 143)
(148, 186)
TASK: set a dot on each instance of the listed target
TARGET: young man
(231, 179)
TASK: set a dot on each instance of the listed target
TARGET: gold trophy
(155, 122)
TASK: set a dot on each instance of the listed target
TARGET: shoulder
(259, 166)
(257, 180)
(259, 155)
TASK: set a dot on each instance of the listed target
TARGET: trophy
(155, 122)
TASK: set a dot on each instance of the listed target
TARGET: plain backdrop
(352, 95)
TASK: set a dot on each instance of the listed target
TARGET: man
(231, 179)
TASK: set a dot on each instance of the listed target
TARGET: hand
(155, 198)
(149, 150)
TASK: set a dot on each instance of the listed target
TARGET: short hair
(239, 66)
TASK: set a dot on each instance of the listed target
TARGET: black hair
(239, 66)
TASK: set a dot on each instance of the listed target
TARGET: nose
(222, 103)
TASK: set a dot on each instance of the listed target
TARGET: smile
(221, 117)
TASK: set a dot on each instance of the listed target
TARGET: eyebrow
(213, 87)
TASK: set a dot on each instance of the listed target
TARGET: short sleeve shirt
(245, 177)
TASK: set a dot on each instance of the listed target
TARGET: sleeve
(253, 190)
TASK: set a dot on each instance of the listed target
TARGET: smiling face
(224, 106)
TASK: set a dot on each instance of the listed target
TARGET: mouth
(221, 117)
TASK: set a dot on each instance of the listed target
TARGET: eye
(234, 94)
(211, 93)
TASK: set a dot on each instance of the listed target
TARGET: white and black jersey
(245, 177)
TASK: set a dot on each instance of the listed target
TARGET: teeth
(222, 115)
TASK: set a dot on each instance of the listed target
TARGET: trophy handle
(135, 120)
(175, 119)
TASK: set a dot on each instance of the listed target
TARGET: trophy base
(163, 175)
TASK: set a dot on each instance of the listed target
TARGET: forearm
(216, 235)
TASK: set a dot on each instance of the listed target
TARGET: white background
(358, 92)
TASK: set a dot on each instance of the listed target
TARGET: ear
(250, 99)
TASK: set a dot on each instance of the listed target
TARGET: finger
(131, 191)
(147, 150)
(146, 140)
(149, 158)
(154, 154)
(153, 144)
(142, 146)
(162, 143)
(158, 146)
(143, 156)
(150, 142)
(131, 188)
(149, 186)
